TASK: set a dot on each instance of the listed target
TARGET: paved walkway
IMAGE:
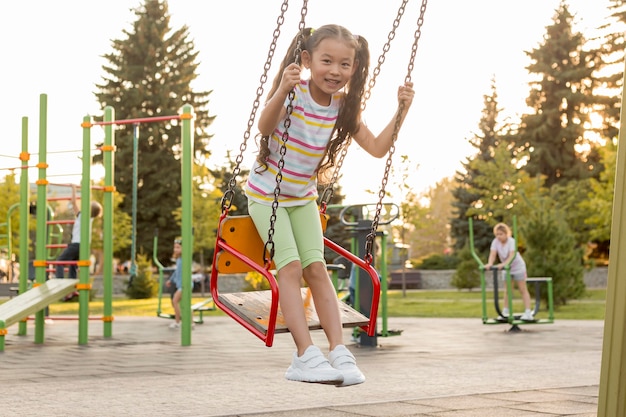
(436, 367)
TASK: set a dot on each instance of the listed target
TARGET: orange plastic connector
(108, 188)
(86, 124)
(186, 116)
(36, 284)
(24, 156)
(83, 286)
(4, 332)
(86, 262)
(42, 165)
(108, 148)
(42, 182)
(107, 319)
(38, 263)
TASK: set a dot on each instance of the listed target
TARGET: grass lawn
(416, 303)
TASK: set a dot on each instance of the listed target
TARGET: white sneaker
(527, 316)
(174, 325)
(312, 366)
(341, 358)
(505, 312)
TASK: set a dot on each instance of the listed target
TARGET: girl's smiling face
(332, 64)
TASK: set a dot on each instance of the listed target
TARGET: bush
(438, 262)
(467, 275)
(142, 285)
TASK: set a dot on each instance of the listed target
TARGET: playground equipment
(513, 319)
(357, 218)
(32, 300)
(239, 248)
(199, 307)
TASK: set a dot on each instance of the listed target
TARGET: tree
(9, 200)
(465, 193)
(429, 230)
(552, 251)
(562, 98)
(149, 74)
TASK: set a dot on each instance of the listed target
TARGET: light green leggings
(298, 232)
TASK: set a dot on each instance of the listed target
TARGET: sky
(56, 48)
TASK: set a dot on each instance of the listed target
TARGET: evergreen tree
(149, 74)
(465, 193)
(552, 251)
(562, 98)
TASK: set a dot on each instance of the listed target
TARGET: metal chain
(269, 245)
(327, 195)
(369, 244)
(229, 194)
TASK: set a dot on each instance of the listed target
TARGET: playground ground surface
(435, 367)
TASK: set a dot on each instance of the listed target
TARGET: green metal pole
(159, 265)
(24, 217)
(133, 244)
(40, 262)
(481, 268)
(383, 282)
(187, 221)
(85, 237)
(107, 221)
(611, 399)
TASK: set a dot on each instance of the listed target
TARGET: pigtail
(290, 58)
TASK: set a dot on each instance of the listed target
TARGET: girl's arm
(274, 109)
(492, 259)
(378, 146)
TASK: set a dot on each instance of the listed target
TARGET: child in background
(176, 281)
(503, 245)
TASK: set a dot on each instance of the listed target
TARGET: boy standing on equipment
(72, 251)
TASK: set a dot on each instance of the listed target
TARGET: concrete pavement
(436, 367)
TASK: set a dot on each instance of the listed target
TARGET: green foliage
(467, 275)
(9, 200)
(255, 281)
(553, 252)
(466, 193)
(142, 285)
(438, 262)
(562, 98)
(149, 73)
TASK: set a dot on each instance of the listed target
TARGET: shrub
(142, 285)
(438, 262)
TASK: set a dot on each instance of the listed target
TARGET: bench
(202, 306)
(413, 279)
(32, 301)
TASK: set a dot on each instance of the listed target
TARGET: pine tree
(562, 98)
(465, 194)
(149, 74)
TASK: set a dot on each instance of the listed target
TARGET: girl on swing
(326, 114)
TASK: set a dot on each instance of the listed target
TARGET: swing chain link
(327, 195)
(268, 249)
(229, 194)
(369, 243)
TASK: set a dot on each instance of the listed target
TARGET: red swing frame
(222, 246)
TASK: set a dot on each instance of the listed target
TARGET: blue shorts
(298, 234)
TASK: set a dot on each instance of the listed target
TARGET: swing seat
(241, 234)
(238, 249)
(252, 307)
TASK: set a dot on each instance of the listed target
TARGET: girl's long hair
(349, 118)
